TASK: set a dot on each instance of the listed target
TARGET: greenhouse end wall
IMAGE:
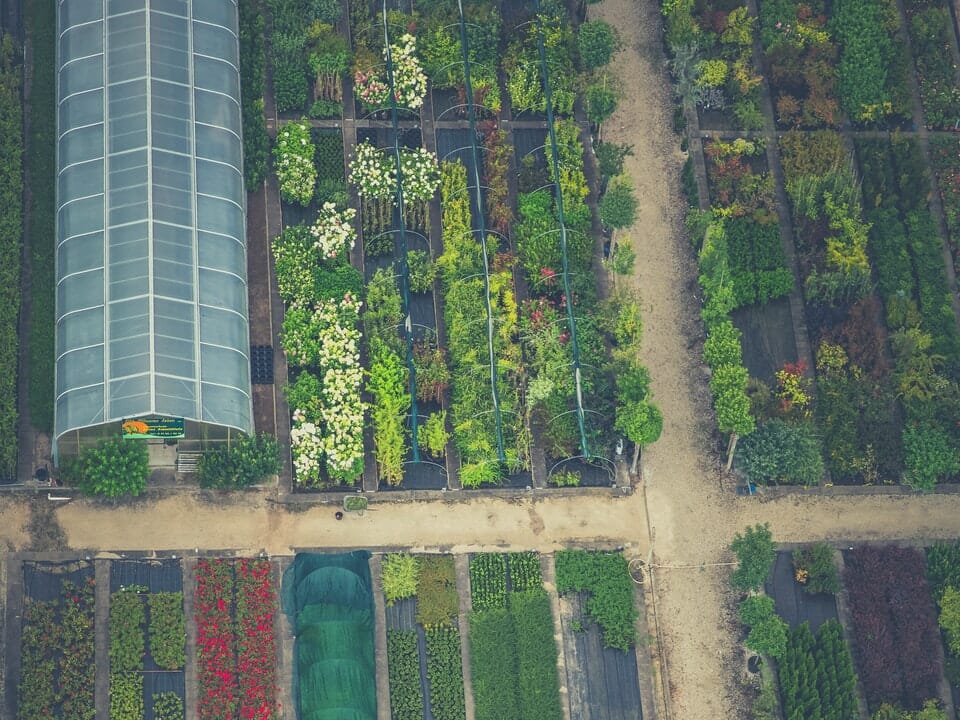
(151, 250)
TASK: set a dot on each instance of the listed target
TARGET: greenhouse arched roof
(151, 254)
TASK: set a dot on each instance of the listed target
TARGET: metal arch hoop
(599, 460)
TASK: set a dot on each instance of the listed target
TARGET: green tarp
(329, 601)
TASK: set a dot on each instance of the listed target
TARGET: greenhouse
(151, 252)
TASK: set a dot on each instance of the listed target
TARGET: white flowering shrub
(294, 161)
(420, 172)
(373, 171)
(333, 232)
(331, 431)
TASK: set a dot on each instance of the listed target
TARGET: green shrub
(256, 142)
(437, 599)
(768, 632)
(433, 436)
(167, 629)
(610, 601)
(488, 581)
(400, 573)
(597, 42)
(618, 206)
(780, 452)
(167, 706)
(114, 468)
(930, 457)
(403, 662)
(494, 665)
(127, 624)
(816, 674)
(755, 551)
(445, 673)
(247, 460)
(816, 563)
(422, 271)
(539, 687)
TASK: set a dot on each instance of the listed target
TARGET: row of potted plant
(234, 608)
(57, 649)
(321, 339)
(480, 310)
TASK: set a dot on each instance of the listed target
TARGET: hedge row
(40, 19)
(11, 228)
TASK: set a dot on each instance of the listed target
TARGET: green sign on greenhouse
(157, 427)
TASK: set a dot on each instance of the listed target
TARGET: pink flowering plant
(409, 79)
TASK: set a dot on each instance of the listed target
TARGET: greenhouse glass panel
(213, 74)
(145, 87)
(80, 408)
(82, 144)
(77, 13)
(81, 41)
(79, 368)
(218, 215)
(218, 13)
(81, 75)
(80, 291)
(84, 329)
(222, 250)
(79, 253)
(211, 110)
(81, 109)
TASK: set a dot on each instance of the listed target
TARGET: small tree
(597, 42)
(732, 405)
(642, 423)
(814, 568)
(618, 207)
(610, 157)
(623, 259)
(768, 632)
(755, 551)
(601, 99)
(114, 468)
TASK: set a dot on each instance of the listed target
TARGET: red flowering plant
(256, 647)
(216, 644)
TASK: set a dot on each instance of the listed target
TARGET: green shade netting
(329, 601)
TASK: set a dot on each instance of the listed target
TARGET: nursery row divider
(101, 634)
(551, 130)
(482, 231)
(548, 570)
(188, 568)
(286, 642)
(404, 269)
(462, 565)
(380, 639)
(801, 336)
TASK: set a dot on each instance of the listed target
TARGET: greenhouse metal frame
(151, 250)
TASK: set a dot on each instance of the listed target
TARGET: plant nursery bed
(57, 668)
(768, 337)
(793, 604)
(602, 682)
